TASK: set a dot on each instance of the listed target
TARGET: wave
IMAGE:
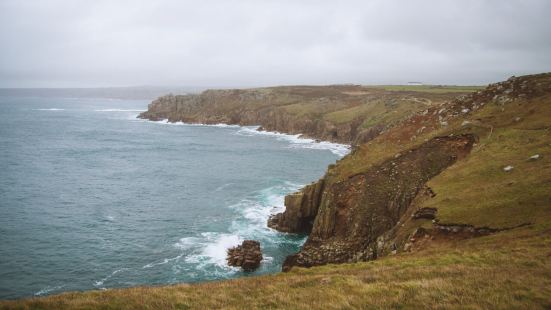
(50, 109)
(297, 141)
(207, 251)
(120, 110)
(166, 122)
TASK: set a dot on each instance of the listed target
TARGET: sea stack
(247, 255)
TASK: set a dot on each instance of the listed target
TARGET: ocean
(93, 198)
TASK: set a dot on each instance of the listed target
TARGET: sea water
(93, 198)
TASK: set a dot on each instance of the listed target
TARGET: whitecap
(297, 141)
(214, 249)
(209, 249)
(50, 109)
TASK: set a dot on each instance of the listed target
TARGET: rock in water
(247, 255)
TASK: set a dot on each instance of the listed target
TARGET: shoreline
(339, 149)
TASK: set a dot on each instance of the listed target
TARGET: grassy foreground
(508, 270)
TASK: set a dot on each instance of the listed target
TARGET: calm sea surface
(93, 198)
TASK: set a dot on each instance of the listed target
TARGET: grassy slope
(510, 269)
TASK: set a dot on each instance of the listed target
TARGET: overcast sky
(81, 43)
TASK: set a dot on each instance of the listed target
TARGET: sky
(233, 43)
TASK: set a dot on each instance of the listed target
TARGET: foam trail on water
(48, 289)
(164, 261)
(50, 109)
(100, 282)
(297, 141)
(179, 123)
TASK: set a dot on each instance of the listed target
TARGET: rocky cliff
(364, 206)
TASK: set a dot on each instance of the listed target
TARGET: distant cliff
(342, 113)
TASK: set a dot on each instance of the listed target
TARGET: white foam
(209, 249)
(180, 123)
(214, 247)
(187, 243)
(119, 110)
(50, 109)
(48, 289)
(100, 282)
(164, 261)
(297, 141)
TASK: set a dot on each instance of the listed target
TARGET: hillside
(443, 202)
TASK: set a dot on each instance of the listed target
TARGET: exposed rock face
(352, 214)
(425, 213)
(247, 255)
(301, 210)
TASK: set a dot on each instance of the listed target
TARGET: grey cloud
(63, 43)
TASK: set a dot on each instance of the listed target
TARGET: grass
(479, 273)
(438, 89)
(478, 191)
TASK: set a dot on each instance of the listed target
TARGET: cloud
(63, 43)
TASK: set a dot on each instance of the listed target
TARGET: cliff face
(353, 213)
(369, 199)
(301, 210)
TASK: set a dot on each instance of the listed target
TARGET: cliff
(366, 208)
(342, 113)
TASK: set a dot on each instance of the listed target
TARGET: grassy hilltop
(485, 243)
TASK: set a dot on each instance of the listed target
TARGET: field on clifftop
(477, 235)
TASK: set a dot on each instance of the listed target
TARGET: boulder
(247, 255)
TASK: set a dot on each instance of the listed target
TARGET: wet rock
(247, 255)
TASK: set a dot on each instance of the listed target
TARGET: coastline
(339, 149)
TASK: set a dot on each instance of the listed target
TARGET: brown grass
(508, 270)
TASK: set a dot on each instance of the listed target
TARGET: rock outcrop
(301, 210)
(353, 213)
(247, 255)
